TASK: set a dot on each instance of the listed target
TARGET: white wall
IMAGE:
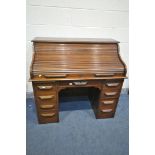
(77, 18)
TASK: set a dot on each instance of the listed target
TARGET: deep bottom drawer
(105, 113)
(48, 116)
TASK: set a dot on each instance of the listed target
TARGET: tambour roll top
(60, 59)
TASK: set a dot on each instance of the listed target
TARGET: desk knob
(70, 83)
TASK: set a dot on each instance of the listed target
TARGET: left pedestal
(46, 100)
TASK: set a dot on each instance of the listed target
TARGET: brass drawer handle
(108, 102)
(79, 83)
(47, 106)
(110, 93)
(56, 76)
(112, 84)
(46, 97)
(48, 115)
(106, 110)
(45, 87)
(103, 75)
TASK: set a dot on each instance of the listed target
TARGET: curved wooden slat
(86, 56)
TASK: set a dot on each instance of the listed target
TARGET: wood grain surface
(59, 64)
(54, 59)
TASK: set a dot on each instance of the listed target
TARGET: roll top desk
(60, 63)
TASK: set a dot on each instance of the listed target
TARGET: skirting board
(124, 91)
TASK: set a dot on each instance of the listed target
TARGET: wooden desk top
(74, 40)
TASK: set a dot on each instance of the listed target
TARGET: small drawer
(108, 103)
(45, 92)
(81, 83)
(112, 84)
(47, 98)
(44, 88)
(48, 116)
(106, 113)
(45, 104)
(113, 93)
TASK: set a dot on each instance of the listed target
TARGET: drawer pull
(56, 76)
(47, 106)
(48, 115)
(112, 84)
(110, 93)
(108, 102)
(103, 75)
(45, 87)
(106, 110)
(46, 97)
(80, 83)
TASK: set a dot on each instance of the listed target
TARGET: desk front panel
(47, 97)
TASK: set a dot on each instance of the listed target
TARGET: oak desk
(66, 63)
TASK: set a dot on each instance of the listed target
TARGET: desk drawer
(44, 88)
(48, 98)
(81, 83)
(108, 103)
(112, 93)
(106, 113)
(43, 98)
(47, 104)
(45, 93)
(47, 116)
(112, 84)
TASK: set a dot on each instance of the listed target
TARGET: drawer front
(44, 88)
(112, 84)
(47, 98)
(112, 93)
(51, 105)
(106, 113)
(108, 103)
(47, 116)
(82, 83)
